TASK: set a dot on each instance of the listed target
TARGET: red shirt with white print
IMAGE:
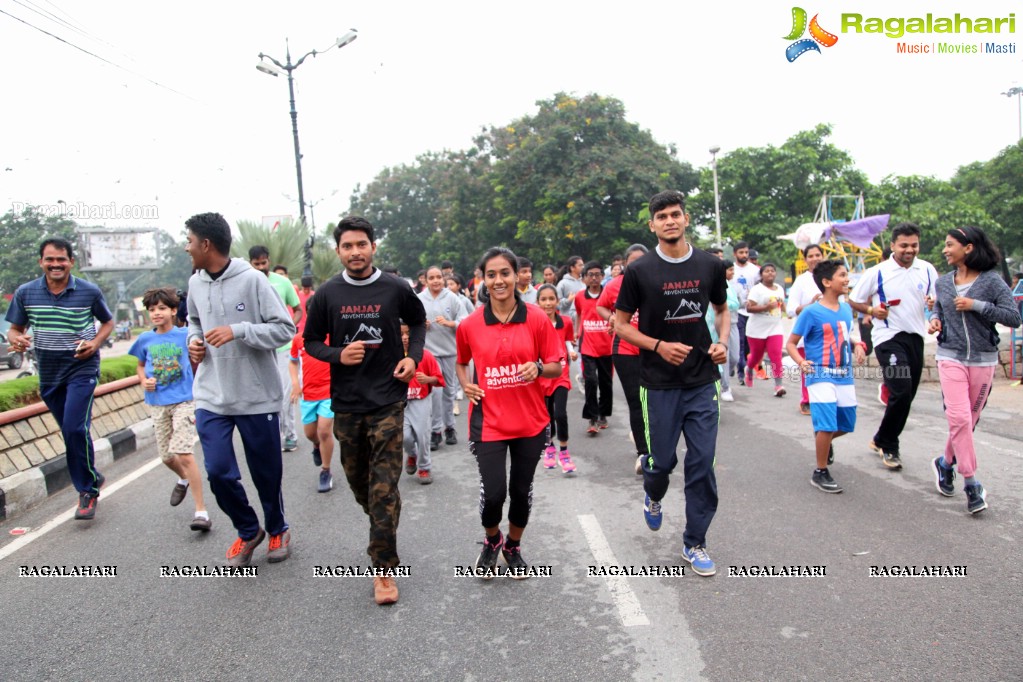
(315, 373)
(566, 334)
(608, 298)
(510, 408)
(593, 336)
(429, 367)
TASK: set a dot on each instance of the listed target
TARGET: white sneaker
(456, 410)
(726, 396)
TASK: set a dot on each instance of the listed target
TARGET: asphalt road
(286, 623)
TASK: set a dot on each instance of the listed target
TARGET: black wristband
(657, 344)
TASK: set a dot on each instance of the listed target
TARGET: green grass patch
(21, 392)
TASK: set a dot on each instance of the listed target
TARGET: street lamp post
(717, 207)
(1017, 92)
(288, 67)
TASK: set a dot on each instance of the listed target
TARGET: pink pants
(756, 353)
(965, 391)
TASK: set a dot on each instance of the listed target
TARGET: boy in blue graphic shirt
(165, 373)
(826, 328)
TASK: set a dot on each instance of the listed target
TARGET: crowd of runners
(378, 368)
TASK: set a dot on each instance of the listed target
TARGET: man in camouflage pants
(360, 312)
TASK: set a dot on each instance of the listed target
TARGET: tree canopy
(570, 179)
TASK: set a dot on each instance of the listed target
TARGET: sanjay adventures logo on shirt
(502, 376)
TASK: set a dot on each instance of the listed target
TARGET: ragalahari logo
(817, 35)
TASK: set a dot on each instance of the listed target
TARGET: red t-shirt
(564, 331)
(429, 367)
(595, 341)
(510, 408)
(302, 298)
(608, 298)
(315, 373)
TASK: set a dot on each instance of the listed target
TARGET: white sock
(183, 481)
(202, 515)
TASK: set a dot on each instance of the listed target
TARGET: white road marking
(629, 609)
(57, 520)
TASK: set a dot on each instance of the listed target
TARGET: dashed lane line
(629, 610)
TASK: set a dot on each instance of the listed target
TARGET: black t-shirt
(673, 297)
(369, 310)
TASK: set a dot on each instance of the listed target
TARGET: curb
(27, 488)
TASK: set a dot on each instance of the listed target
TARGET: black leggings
(494, 487)
(629, 368)
(557, 408)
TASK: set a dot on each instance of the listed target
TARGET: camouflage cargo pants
(370, 448)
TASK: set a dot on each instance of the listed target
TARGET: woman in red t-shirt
(511, 344)
(557, 389)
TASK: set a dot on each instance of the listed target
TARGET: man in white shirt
(746, 275)
(894, 293)
(804, 292)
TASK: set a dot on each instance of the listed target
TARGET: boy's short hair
(525, 263)
(165, 295)
(826, 269)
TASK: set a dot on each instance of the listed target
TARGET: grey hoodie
(567, 288)
(241, 376)
(970, 336)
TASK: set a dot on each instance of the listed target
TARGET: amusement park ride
(850, 240)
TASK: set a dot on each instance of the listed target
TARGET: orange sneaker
(385, 590)
(280, 547)
(240, 553)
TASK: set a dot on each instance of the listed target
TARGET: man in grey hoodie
(236, 321)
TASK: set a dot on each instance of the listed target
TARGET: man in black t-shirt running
(672, 287)
(354, 323)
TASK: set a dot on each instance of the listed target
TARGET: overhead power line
(102, 59)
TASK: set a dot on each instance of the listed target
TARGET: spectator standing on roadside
(60, 309)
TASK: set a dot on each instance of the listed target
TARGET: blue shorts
(832, 406)
(311, 409)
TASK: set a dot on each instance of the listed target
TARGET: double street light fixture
(717, 207)
(272, 67)
(1017, 92)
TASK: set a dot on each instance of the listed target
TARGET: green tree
(573, 177)
(934, 205)
(770, 191)
(570, 179)
(20, 236)
(998, 183)
(286, 243)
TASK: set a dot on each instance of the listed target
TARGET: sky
(184, 123)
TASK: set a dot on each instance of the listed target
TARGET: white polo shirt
(888, 281)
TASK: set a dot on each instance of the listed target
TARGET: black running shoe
(518, 569)
(450, 436)
(317, 459)
(831, 455)
(944, 478)
(436, 438)
(823, 481)
(890, 459)
(86, 507)
(976, 498)
(486, 563)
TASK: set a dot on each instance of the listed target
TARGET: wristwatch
(539, 368)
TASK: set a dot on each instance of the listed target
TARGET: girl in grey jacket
(970, 300)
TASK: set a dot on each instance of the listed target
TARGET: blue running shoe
(652, 513)
(700, 561)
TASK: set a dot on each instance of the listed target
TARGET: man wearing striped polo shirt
(60, 309)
